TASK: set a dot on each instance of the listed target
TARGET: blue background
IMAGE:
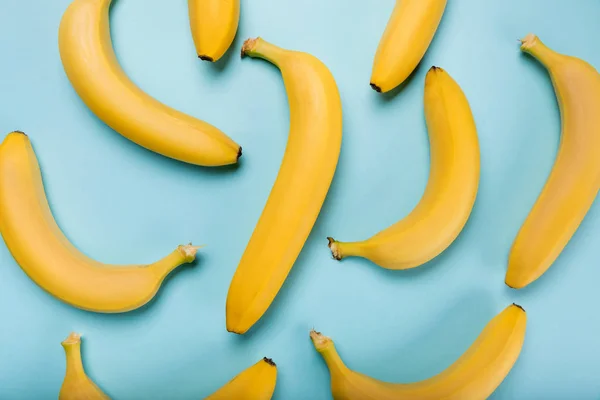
(120, 203)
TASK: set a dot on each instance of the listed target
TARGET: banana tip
(375, 87)
(237, 331)
(269, 361)
(512, 286)
(239, 154)
(518, 306)
(20, 132)
(206, 58)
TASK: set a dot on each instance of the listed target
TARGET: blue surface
(120, 203)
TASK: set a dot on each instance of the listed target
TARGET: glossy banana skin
(474, 376)
(214, 24)
(296, 198)
(50, 260)
(255, 383)
(407, 36)
(91, 65)
(575, 178)
(446, 205)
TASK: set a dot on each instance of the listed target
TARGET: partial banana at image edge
(446, 205)
(574, 181)
(255, 383)
(90, 63)
(295, 201)
(76, 384)
(407, 36)
(474, 376)
(50, 260)
(214, 24)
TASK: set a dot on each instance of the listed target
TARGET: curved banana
(77, 385)
(475, 375)
(255, 383)
(214, 24)
(306, 172)
(575, 177)
(451, 190)
(92, 67)
(408, 34)
(47, 256)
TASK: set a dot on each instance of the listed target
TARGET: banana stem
(341, 250)
(532, 45)
(181, 255)
(324, 345)
(259, 48)
(72, 346)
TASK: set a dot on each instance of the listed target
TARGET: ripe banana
(450, 193)
(92, 67)
(47, 256)
(306, 172)
(77, 385)
(214, 24)
(407, 36)
(475, 375)
(575, 177)
(255, 383)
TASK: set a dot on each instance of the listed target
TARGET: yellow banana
(451, 190)
(77, 385)
(214, 24)
(92, 67)
(407, 36)
(575, 177)
(47, 256)
(475, 375)
(255, 383)
(306, 172)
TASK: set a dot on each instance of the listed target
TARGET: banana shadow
(114, 5)
(438, 343)
(535, 64)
